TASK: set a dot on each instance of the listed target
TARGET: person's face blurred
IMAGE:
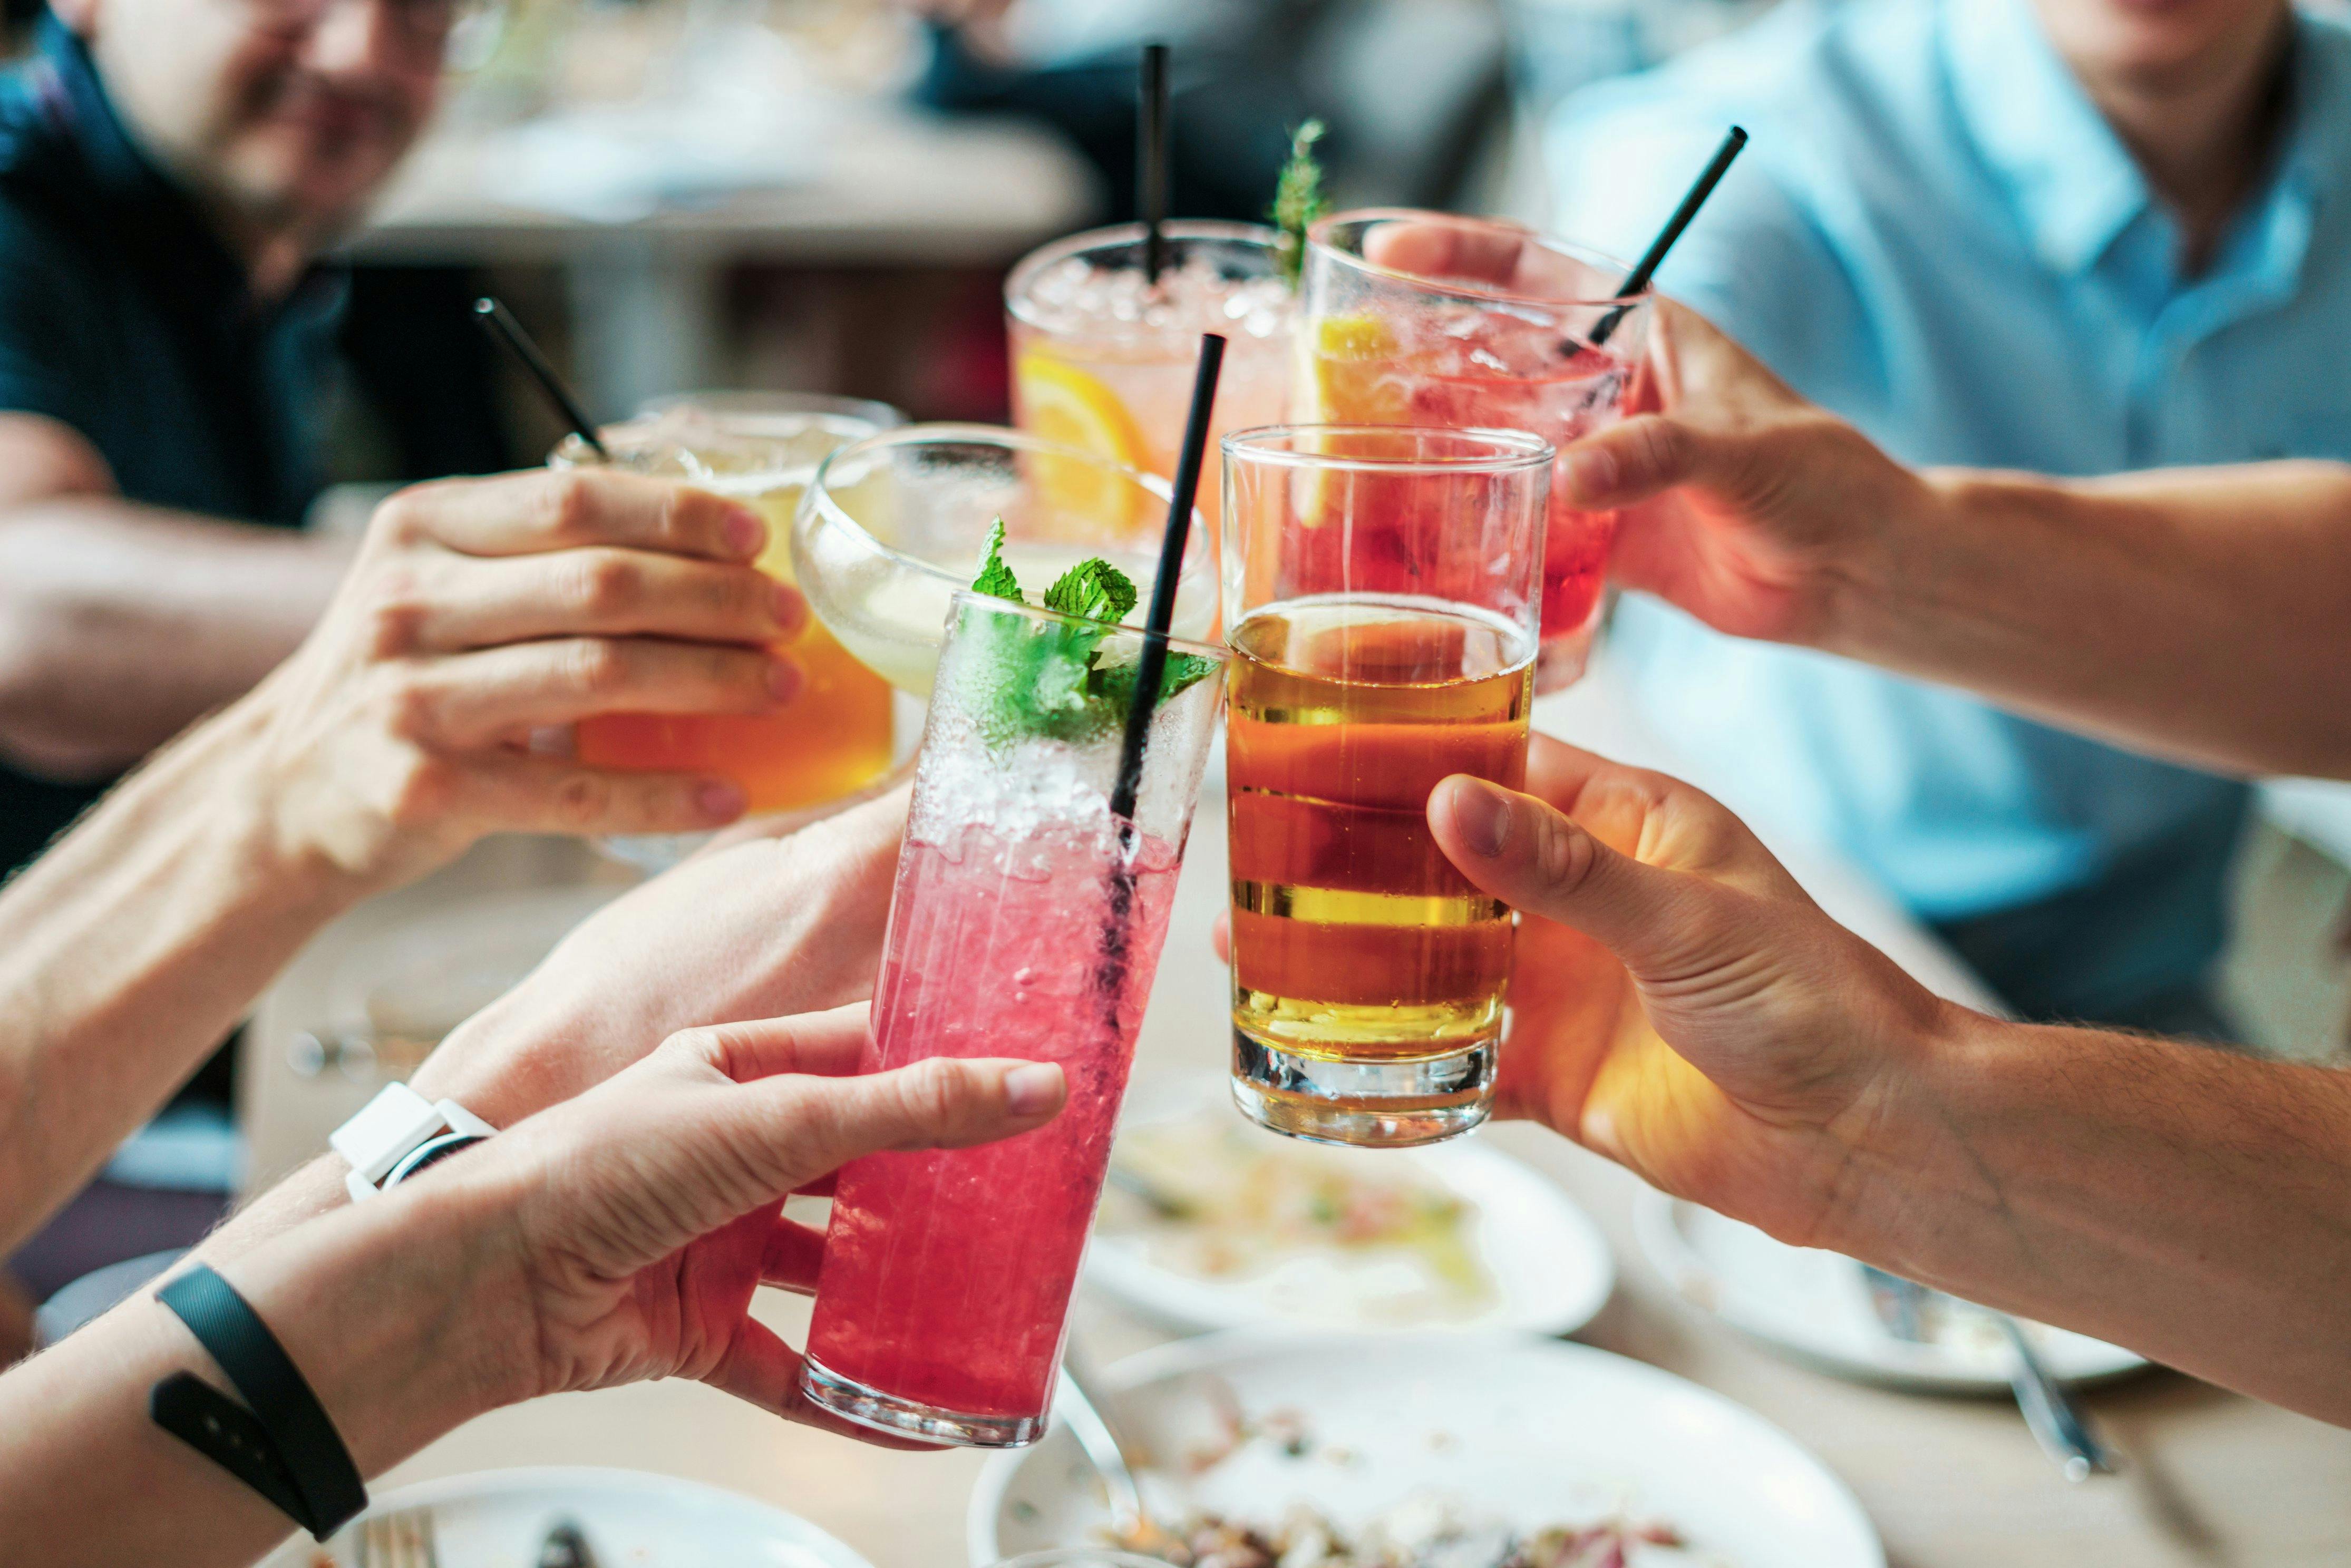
(294, 111)
(2158, 43)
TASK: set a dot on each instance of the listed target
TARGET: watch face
(429, 1153)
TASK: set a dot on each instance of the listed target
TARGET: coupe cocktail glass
(1102, 361)
(892, 526)
(1027, 923)
(836, 735)
(1384, 582)
(1421, 318)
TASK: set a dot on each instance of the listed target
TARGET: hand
(480, 610)
(763, 929)
(1677, 1003)
(1744, 505)
(628, 1228)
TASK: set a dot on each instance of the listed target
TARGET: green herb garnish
(1056, 680)
(1297, 201)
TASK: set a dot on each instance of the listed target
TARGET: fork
(401, 1540)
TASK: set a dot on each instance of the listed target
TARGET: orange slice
(1352, 374)
(1061, 404)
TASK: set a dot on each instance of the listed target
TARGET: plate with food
(1261, 1446)
(1824, 1308)
(1211, 1222)
(494, 1519)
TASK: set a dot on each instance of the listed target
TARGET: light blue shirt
(1934, 234)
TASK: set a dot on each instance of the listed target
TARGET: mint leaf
(1094, 589)
(995, 578)
(1297, 201)
(1115, 684)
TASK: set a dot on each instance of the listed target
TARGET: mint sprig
(1052, 679)
(1297, 201)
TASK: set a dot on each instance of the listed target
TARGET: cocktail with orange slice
(1420, 318)
(1102, 357)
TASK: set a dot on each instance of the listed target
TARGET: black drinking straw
(1646, 267)
(500, 323)
(1151, 669)
(1151, 155)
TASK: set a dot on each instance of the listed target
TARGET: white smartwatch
(399, 1134)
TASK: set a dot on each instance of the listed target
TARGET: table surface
(2215, 1480)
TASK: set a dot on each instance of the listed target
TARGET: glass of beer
(1384, 590)
(838, 735)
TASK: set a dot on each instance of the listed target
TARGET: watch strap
(286, 1414)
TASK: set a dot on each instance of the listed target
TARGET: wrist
(1886, 557)
(400, 1313)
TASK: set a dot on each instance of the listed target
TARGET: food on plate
(1422, 1533)
(1333, 1233)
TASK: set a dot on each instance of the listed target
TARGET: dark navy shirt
(124, 315)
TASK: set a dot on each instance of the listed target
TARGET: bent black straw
(1153, 151)
(500, 323)
(1646, 267)
(1152, 668)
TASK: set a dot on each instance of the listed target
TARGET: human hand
(621, 1233)
(1677, 1003)
(766, 928)
(480, 610)
(1743, 503)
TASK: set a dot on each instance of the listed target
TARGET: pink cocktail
(1027, 921)
(1426, 320)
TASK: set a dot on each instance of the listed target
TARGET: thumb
(1535, 859)
(1631, 462)
(818, 1125)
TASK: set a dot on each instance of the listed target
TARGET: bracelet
(284, 1447)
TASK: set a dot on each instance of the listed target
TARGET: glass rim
(1016, 282)
(1509, 451)
(819, 495)
(634, 433)
(1318, 239)
(971, 598)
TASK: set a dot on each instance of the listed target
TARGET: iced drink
(1102, 360)
(1382, 345)
(837, 734)
(1027, 921)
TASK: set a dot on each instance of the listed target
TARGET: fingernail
(783, 679)
(791, 609)
(720, 801)
(747, 534)
(1590, 473)
(1030, 1089)
(1483, 814)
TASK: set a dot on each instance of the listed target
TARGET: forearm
(119, 624)
(132, 947)
(2198, 613)
(2190, 1204)
(385, 1310)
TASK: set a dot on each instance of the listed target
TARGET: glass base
(653, 852)
(1561, 662)
(1364, 1104)
(854, 1401)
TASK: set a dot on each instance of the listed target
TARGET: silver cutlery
(2057, 1423)
(1075, 1403)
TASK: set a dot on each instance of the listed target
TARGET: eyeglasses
(463, 33)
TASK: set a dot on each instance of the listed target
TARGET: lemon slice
(1061, 404)
(1353, 374)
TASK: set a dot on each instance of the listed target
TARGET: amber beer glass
(1384, 589)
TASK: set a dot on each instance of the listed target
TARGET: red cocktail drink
(1027, 921)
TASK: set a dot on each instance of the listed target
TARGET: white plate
(1550, 1266)
(1814, 1305)
(1528, 1432)
(497, 1518)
